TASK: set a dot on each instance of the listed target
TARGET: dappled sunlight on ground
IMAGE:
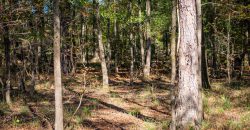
(144, 105)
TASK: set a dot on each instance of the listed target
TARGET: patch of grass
(16, 121)
(206, 107)
(25, 110)
(245, 119)
(155, 101)
(234, 125)
(87, 111)
(134, 112)
(150, 126)
(114, 95)
(205, 125)
(165, 125)
(79, 119)
(248, 106)
(4, 108)
(226, 103)
(220, 110)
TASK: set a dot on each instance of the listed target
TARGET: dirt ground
(140, 106)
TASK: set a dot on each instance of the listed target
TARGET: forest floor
(141, 106)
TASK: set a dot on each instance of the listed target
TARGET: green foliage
(134, 112)
(226, 102)
(165, 125)
(234, 125)
(16, 121)
(87, 111)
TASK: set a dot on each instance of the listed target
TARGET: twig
(79, 105)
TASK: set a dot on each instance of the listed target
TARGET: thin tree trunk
(57, 70)
(95, 33)
(108, 43)
(116, 42)
(187, 102)
(141, 36)
(228, 50)
(203, 78)
(101, 50)
(173, 62)
(83, 40)
(108, 46)
(146, 70)
(6, 41)
(132, 59)
(244, 55)
(173, 43)
(214, 59)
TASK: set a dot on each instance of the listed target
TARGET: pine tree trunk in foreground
(57, 70)
(187, 102)
(105, 79)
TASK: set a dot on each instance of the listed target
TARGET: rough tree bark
(146, 70)
(57, 70)
(105, 79)
(187, 101)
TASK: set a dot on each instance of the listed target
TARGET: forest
(124, 64)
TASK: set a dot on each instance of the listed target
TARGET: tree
(187, 101)
(57, 69)
(228, 49)
(105, 79)
(173, 60)
(146, 70)
(173, 43)
(141, 35)
(7, 65)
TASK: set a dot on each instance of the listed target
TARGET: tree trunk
(132, 59)
(57, 70)
(228, 50)
(204, 73)
(203, 81)
(173, 62)
(141, 36)
(105, 79)
(214, 59)
(173, 43)
(108, 46)
(244, 55)
(95, 32)
(188, 103)
(146, 70)
(108, 42)
(6, 41)
(116, 42)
